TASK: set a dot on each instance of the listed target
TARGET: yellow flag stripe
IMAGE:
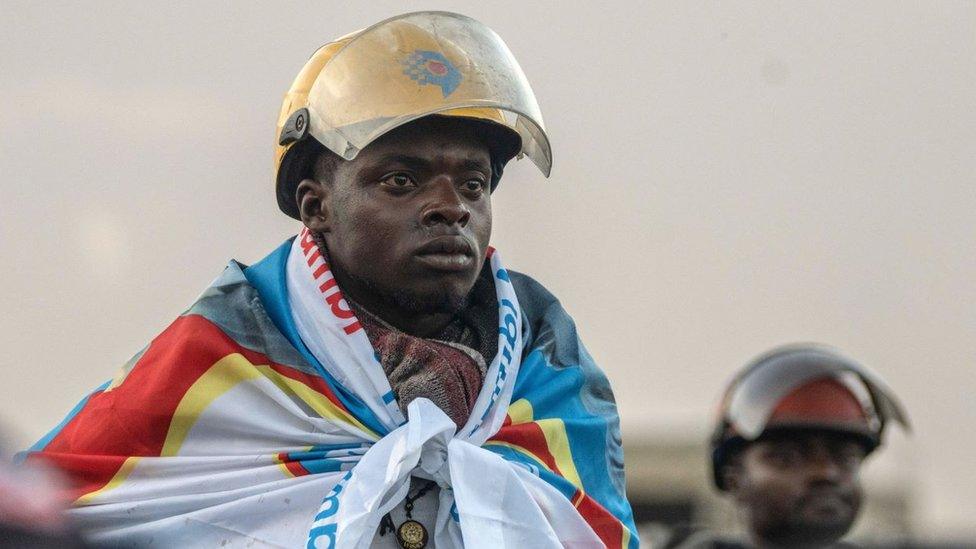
(558, 442)
(218, 379)
(282, 466)
(520, 411)
(127, 466)
(225, 374)
(314, 399)
(524, 451)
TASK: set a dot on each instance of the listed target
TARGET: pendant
(412, 535)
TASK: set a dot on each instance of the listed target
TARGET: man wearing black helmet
(795, 427)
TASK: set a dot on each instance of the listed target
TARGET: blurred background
(728, 177)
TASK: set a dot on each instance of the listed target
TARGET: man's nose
(823, 466)
(444, 204)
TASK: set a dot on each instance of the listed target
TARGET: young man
(796, 425)
(380, 380)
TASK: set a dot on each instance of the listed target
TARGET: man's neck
(758, 542)
(415, 323)
(426, 325)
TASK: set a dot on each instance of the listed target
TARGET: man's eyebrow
(470, 164)
(412, 162)
(418, 163)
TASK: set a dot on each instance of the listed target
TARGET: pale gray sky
(728, 176)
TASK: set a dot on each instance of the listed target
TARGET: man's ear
(312, 198)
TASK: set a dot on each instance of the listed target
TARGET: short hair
(312, 160)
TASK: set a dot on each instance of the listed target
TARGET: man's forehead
(451, 128)
(807, 438)
(443, 155)
(431, 140)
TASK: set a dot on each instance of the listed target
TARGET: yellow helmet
(361, 86)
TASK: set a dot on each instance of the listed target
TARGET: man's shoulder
(235, 304)
(525, 283)
(534, 298)
(540, 307)
(547, 325)
(701, 539)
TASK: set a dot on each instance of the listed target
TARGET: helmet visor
(416, 65)
(775, 375)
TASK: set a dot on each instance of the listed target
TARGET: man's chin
(439, 301)
(445, 295)
(830, 517)
(817, 533)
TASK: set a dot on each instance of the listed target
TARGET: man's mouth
(447, 253)
(828, 503)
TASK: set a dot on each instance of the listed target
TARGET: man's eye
(784, 457)
(474, 185)
(399, 180)
(849, 457)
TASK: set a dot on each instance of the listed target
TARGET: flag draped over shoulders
(226, 429)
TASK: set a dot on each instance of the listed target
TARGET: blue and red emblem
(431, 67)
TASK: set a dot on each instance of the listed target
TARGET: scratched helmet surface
(358, 88)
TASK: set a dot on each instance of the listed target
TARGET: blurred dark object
(31, 514)
(11, 536)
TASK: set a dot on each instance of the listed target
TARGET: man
(795, 427)
(381, 379)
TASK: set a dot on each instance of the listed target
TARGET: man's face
(409, 219)
(800, 489)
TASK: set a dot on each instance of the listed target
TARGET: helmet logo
(431, 67)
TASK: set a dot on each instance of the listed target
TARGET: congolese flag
(225, 429)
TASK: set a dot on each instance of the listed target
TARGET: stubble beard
(440, 301)
(795, 529)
